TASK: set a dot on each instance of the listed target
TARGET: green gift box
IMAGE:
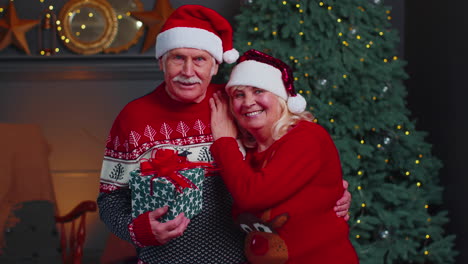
(150, 192)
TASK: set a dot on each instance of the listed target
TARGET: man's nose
(188, 68)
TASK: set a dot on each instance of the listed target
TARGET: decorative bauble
(385, 234)
(387, 140)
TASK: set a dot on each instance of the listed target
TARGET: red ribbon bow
(167, 163)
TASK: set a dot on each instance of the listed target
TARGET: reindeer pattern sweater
(291, 189)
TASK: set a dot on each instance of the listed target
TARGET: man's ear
(160, 62)
(214, 71)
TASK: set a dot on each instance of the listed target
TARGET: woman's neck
(263, 138)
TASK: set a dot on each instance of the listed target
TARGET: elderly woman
(286, 185)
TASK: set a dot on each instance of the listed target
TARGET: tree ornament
(387, 140)
(323, 82)
(15, 29)
(384, 234)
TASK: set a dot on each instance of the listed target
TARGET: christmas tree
(343, 53)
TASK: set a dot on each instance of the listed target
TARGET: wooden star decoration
(14, 29)
(154, 20)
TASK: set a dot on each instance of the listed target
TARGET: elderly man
(176, 115)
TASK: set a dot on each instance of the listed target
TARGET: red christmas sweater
(156, 121)
(284, 197)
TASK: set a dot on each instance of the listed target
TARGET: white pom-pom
(297, 104)
(230, 56)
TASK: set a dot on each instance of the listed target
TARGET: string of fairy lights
(347, 41)
(49, 22)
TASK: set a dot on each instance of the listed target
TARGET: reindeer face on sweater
(263, 245)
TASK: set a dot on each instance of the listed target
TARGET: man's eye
(258, 91)
(200, 59)
(177, 57)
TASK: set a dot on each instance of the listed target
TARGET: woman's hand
(342, 205)
(222, 122)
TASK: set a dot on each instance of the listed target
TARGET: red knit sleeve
(141, 233)
(300, 157)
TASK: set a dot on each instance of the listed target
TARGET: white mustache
(190, 80)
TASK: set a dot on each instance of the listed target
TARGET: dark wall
(436, 51)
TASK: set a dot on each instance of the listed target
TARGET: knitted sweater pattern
(156, 121)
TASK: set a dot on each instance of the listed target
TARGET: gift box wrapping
(163, 192)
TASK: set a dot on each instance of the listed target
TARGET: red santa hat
(263, 71)
(199, 27)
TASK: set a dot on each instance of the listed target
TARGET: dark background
(436, 51)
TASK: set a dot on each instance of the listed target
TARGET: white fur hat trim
(260, 75)
(187, 37)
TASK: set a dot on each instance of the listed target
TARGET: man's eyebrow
(177, 54)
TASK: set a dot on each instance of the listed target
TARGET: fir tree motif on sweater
(126, 145)
(166, 130)
(182, 128)
(133, 138)
(117, 172)
(199, 126)
(150, 132)
(205, 155)
(116, 142)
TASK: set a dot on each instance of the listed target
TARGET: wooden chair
(40, 237)
(72, 247)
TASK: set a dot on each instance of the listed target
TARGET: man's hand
(164, 232)
(222, 123)
(343, 204)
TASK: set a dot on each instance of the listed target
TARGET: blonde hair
(286, 121)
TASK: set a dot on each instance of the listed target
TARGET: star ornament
(154, 20)
(14, 29)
